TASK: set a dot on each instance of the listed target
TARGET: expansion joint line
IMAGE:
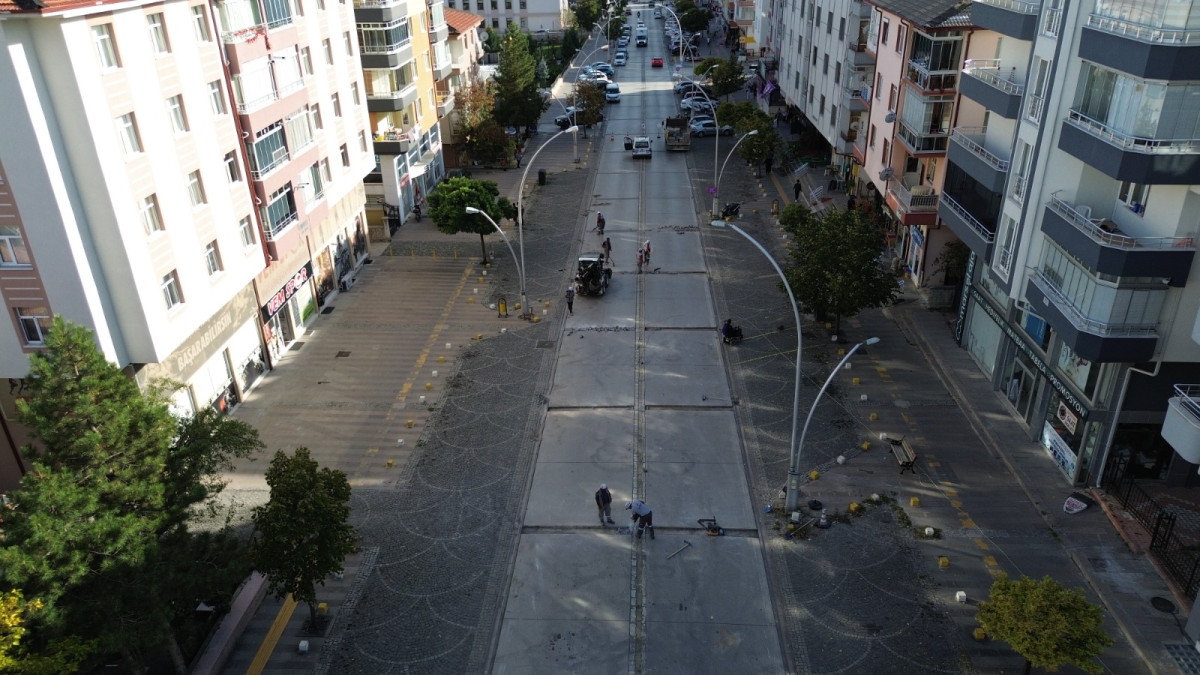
(637, 590)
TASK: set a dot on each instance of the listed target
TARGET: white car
(612, 94)
(709, 128)
(619, 59)
(697, 104)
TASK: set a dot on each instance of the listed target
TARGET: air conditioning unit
(887, 173)
(855, 126)
(890, 117)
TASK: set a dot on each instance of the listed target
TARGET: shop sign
(964, 302)
(206, 341)
(1076, 406)
(1058, 449)
(279, 300)
(1064, 415)
(915, 233)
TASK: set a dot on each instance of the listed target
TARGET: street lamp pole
(575, 141)
(793, 491)
(520, 262)
(717, 176)
(521, 211)
(793, 487)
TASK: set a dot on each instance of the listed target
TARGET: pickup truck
(678, 135)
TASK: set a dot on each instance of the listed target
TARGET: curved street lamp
(575, 142)
(520, 262)
(521, 210)
(717, 180)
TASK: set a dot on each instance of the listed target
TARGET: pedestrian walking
(768, 163)
(646, 250)
(641, 259)
(607, 246)
(643, 515)
(570, 296)
(797, 188)
(604, 504)
(600, 223)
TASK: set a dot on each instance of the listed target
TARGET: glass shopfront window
(982, 338)
(1069, 440)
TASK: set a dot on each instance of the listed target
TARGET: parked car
(697, 104)
(620, 59)
(656, 62)
(624, 41)
(709, 128)
(603, 67)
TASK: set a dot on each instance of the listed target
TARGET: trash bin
(541, 176)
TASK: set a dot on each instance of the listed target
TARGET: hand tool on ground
(686, 544)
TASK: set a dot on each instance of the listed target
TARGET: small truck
(678, 134)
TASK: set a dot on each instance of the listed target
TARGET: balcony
(379, 11)
(916, 205)
(860, 149)
(445, 103)
(1014, 18)
(1096, 341)
(857, 54)
(919, 142)
(856, 99)
(283, 236)
(1100, 244)
(1149, 52)
(443, 65)
(968, 152)
(395, 142)
(993, 86)
(977, 236)
(389, 100)
(1125, 157)
(1052, 22)
(1035, 108)
(1181, 427)
(932, 81)
(846, 139)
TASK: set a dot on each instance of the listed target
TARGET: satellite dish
(890, 117)
(887, 173)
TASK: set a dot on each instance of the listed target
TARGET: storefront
(287, 310)
(217, 363)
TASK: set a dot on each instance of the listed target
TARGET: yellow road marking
(272, 637)
(967, 522)
(983, 545)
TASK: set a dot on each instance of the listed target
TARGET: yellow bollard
(855, 507)
(322, 608)
(391, 463)
(874, 417)
(914, 501)
(855, 380)
(866, 445)
(943, 562)
(428, 386)
(841, 351)
(470, 301)
(814, 474)
(980, 634)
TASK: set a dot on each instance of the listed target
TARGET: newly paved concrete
(481, 546)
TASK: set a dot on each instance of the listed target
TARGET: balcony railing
(931, 80)
(1100, 229)
(377, 3)
(1019, 6)
(247, 34)
(276, 230)
(922, 142)
(1020, 184)
(914, 203)
(1189, 398)
(1144, 33)
(972, 138)
(1034, 106)
(980, 229)
(392, 94)
(388, 48)
(1085, 323)
(990, 71)
(280, 158)
(1052, 22)
(1154, 146)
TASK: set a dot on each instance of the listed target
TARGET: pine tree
(517, 100)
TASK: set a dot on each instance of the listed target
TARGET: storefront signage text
(289, 289)
(964, 302)
(1058, 449)
(1069, 421)
(1016, 336)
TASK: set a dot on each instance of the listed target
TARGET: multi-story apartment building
(405, 51)
(531, 16)
(1074, 178)
(183, 178)
(466, 51)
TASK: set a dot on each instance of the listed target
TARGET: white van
(612, 93)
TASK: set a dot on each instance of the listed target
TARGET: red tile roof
(458, 21)
(47, 6)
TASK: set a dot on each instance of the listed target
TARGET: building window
(825, 66)
(170, 288)
(12, 248)
(1004, 252)
(892, 98)
(316, 182)
(337, 105)
(833, 115)
(507, 4)
(495, 22)
(151, 215)
(316, 116)
(814, 55)
(246, 231)
(158, 34)
(212, 258)
(321, 5)
(822, 104)
(195, 186)
(345, 156)
(178, 114)
(1135, 195)
(886, 156)
(829, 24)
(362, 141)
(878, 86)
(328, 48)
(495, 5)
(231, 167)
(837, 73)
(354, 93)
(479, 6)
(348, 43)
(35, 324)
(280, 212)
(871, 137)
(127, 130)
(200, 21)
(842, 30)
(326, 174)
(306, 61)
(216, 96)
(900, 39)
(883, 32)
(817, 16)
(106, 47)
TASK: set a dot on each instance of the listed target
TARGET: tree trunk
(312, 614)
(1028, 666)
(483, 249)
(181, 666)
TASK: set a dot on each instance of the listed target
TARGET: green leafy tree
(835, 266)
(518, 102)
(586, 13)
(612, 30)
(694, 20)
(1046, 623)
(589, 105)
(703, 69)
(62, 657)
(448, 207)
(493, 42)
(490, 144)
(571, 42)
(303, 531)
(542, 71)
(98, 522)
(727, 77)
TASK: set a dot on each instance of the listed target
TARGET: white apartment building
(531, 16)
(183, 178)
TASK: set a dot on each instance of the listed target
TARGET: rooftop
(458, 20)
(930, 13)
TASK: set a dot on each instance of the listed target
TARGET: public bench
(904, 454)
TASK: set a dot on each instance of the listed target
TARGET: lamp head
(752, 132)
(571, 129)
(472, 210)
(871, 341)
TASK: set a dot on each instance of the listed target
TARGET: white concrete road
(640, 400)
